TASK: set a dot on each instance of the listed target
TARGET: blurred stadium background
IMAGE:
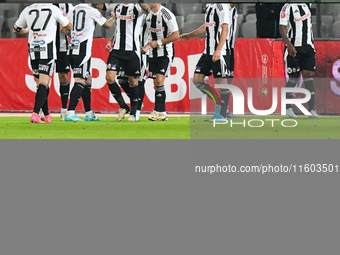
(326, 17)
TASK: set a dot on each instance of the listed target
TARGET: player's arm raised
(197, 32)
(110, 22)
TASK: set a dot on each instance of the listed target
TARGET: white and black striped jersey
(83, 18)
(215, 16)
(232, 28)
(41, 20)
(161, 25)
(61, 38)
(129, 19)
(297, 18)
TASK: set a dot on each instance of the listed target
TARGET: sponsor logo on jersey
(283, 15)
(304, 17)
(35, 35)
(126, 17)
(74, 35)
(76, 42)
(37, 49)
(38, 43)
(212, 24)
(157, 30)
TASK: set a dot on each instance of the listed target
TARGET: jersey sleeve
(98, 17)
(172, 23)
(60, 16)
(223, 13)
(21, 22)
(284, 15)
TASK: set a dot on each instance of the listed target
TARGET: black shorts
(80, 69)
(160, 65)
(62, 62)
(129, 61)
(220, 69)
(144, 69)
(42, 66)
(304, 60)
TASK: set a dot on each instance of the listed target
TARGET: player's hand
(113, 14)
(184, 37)
(108, 46)
(216, 56)
(291, 50)
(145, 49)
(24, 31)
(154, 44)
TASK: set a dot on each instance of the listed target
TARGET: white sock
(70, 113)
(90, 113)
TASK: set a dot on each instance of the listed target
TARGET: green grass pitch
(108, 128)
(323, 128)
(195, 127)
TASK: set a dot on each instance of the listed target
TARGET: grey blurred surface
(143, 197)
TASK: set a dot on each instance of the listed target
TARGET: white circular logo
(265, 59)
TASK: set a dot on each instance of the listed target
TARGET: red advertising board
(258, 64)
